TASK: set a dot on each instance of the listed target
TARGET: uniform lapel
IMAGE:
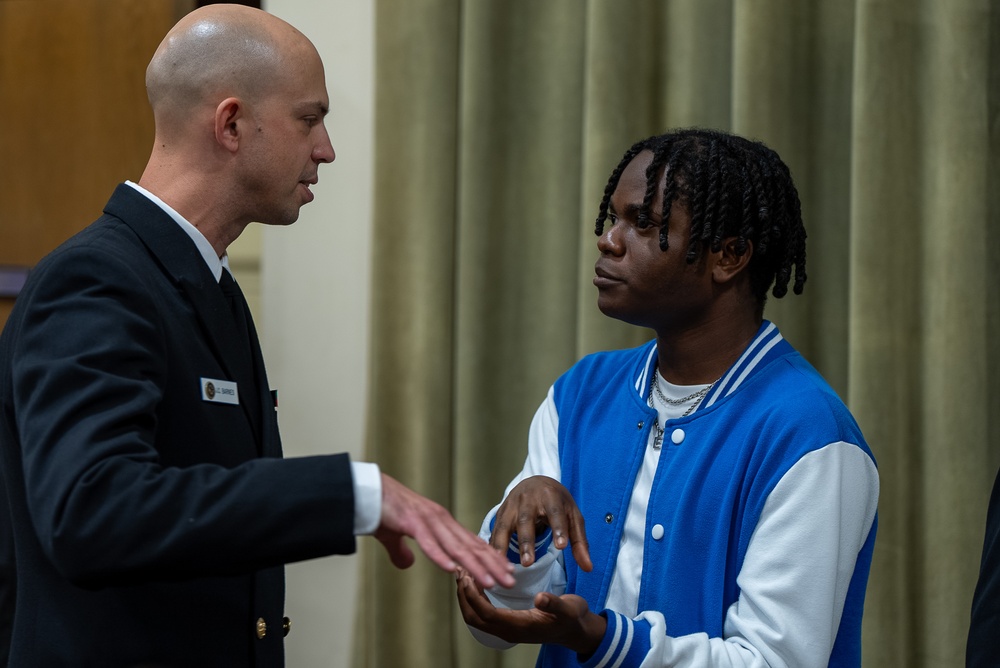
(179, 258)
(270, 443)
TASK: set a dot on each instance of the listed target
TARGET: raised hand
(535, 503)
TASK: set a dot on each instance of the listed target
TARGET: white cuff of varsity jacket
(367, 497)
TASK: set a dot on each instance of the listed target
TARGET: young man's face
(637, 282)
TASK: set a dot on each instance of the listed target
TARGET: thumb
(399, 552)
(548, 602)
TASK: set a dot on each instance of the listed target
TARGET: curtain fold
(923, 311)
(410, 409)
(498, 122)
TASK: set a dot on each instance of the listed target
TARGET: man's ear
(729, 263)
(227, 131)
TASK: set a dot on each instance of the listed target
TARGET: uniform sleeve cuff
(367, 497)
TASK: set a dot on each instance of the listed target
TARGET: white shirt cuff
(367, 497)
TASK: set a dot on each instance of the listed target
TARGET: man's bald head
(216, 52)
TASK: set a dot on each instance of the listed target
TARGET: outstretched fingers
(438, 535)
(448, 541)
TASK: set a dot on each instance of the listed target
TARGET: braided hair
(732, 187)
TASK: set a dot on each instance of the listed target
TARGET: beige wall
(313, 309)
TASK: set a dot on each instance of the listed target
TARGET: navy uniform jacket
(983, 644)
(150, 525)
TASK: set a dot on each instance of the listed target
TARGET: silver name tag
(219, 391)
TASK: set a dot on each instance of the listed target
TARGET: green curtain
(498, 122)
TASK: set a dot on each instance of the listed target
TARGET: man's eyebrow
(315, 106)
(631, 209)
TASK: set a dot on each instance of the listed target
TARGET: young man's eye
(612, 218)
(645, 222)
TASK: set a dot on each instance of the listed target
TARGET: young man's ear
(227, 131)
(729, 264)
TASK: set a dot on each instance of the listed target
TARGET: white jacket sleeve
(793, 582)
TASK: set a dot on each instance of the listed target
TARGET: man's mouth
(603, 278)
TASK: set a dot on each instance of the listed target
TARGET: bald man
(152, 510)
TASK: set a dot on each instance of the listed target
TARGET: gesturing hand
(537, 502)
(445, 542)
(563, 620)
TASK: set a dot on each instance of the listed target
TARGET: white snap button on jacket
(657, 532)
(677, 436)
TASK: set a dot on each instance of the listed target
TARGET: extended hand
(536, 502)
(563, 620)
(445, 542)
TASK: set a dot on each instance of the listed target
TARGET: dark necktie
(237, 305)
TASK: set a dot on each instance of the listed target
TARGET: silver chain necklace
(654, 386)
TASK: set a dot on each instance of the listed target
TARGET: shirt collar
(214, 262)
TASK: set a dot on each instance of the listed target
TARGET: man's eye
(645, 222)
(612, 218)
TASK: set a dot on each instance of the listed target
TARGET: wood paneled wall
(74, 119)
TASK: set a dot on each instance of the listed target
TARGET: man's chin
(609, 308)
(280, 220)
(617, 311)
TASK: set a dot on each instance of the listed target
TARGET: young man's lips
(603, 279)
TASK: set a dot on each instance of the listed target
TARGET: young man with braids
(729, 497)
